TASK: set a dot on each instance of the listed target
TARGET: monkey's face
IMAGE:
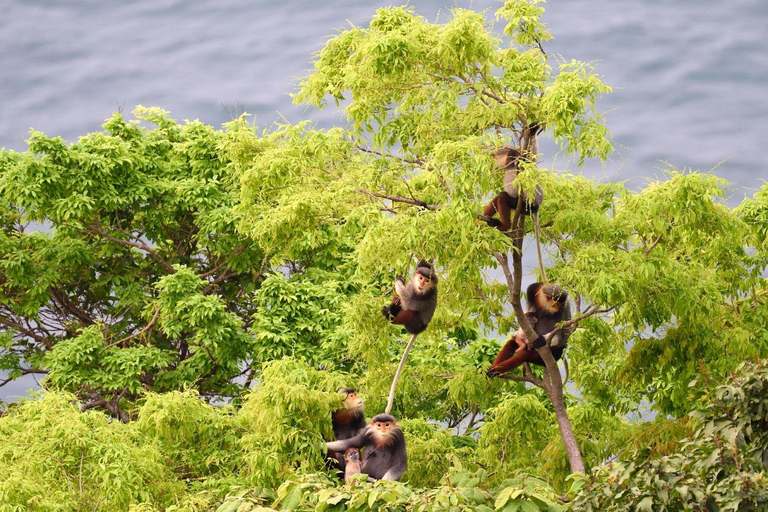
(353, 401)
(547, 302)
(383, 429)
(352, 455)
(501, 158)
(422, 282)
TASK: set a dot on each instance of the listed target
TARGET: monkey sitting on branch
(414, 303)
(547, 306)
(384, 455)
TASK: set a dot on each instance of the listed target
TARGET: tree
(228, 258)
(121, 267)
(428, 104)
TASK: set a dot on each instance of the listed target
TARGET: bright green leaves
(569, 109)
(90, 228)
(664, 261)
(57, 457)
(415, 84)
(465, 45)
(287, 419)
(515, 432)
(86, 362)
(300, 317)
(524, 23)
(212, 339)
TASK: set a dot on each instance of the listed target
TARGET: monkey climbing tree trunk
(391, 399)
(552, 382)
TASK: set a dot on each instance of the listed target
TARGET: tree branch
(94, 228)
(24, 371)
(388, 155)
(235, 253)
(145, 329)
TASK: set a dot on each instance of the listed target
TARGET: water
(689, 75)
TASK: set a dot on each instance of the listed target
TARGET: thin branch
(135, 244)
(387, 155)
(145, 329)
(521, 378)
(391, 399)
(14, 324)
(24, 371)
(236, 252)
(654, 244)
(589, 312)
(414, 202)
(223, 277)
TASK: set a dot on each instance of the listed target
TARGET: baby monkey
(352, 461)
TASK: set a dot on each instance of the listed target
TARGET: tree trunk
(553, 384)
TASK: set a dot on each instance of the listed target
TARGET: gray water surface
(689, 76)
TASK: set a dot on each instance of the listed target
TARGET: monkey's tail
(536, 231)
(397, 374)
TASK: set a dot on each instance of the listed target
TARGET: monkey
(352, 464)
(506, 201)
(547, 306)
(347, 422)
(384, 457)
(414, 303)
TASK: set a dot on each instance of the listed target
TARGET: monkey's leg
(410, 319)
(490, 210)
(521, 356)
(503, 204)
(507, 351)
(394, 308)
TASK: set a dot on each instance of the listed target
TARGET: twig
(145, 329)
(236, 252)
(138, 245)
(387, 155)
(25, 371)
(536, 231)
(397, 199)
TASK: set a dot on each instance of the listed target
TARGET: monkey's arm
(401, 289)
(394, 474)
(353, 442)
(397, 470)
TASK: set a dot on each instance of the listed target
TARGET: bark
(551, 382)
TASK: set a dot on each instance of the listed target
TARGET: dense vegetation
(194, 298)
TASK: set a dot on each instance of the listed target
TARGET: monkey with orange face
(547, 306)
(384, 455)
(347, 422)
(414, 303)
(350, 419)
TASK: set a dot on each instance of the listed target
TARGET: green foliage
(55, 457)
(94, 233)
(720, 467)
(301, 317)
(158, 257)
(515, 433)
(197, 440)
(287, 420)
